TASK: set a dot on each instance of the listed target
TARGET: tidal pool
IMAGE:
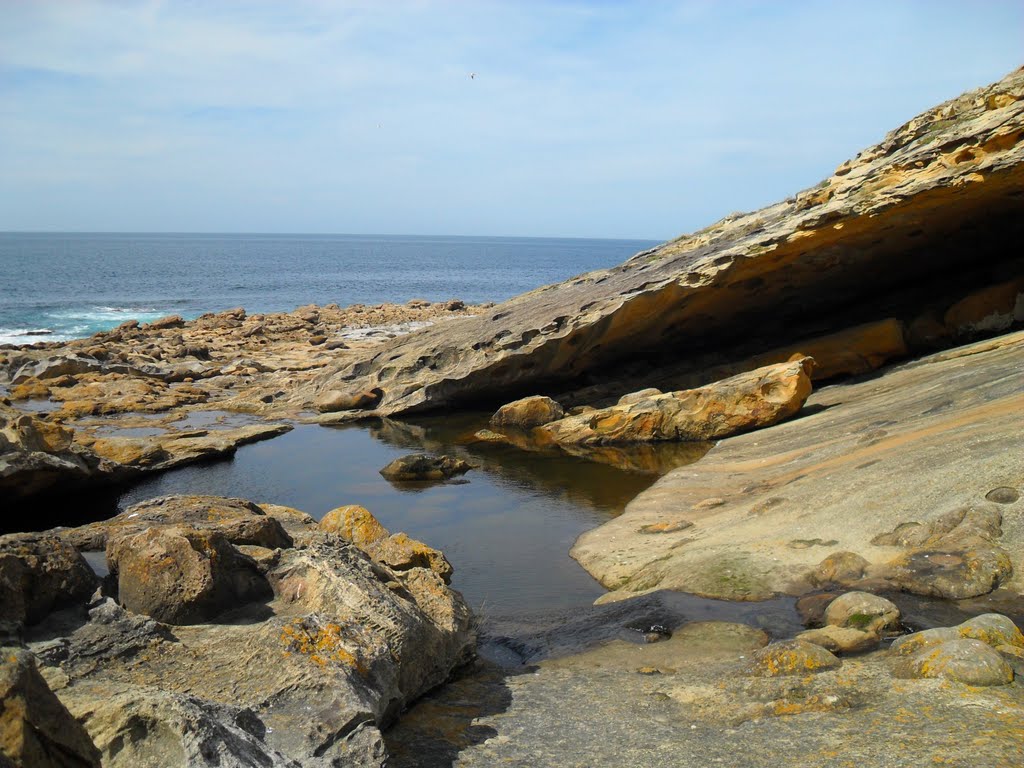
(507, 526)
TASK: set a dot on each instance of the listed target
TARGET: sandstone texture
(197, 653)
(738, 404)
(36, 730)
(943, 190)
(882, 485)
(527, 413)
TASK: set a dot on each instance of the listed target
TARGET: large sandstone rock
(850, 251)
(748, 401)
(36, 730)
(179, 575)
(38, 574)
(36, 455)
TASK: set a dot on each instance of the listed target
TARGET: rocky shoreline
(852, 359)
(146, 398)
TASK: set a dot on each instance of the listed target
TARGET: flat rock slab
(690, 702)
(909, 445)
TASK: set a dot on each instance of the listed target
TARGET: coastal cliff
(903, 231)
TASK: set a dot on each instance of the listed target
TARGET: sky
(560, 118)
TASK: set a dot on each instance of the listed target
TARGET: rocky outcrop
(39, 455)
(883, 485)
(36, 455)
(395, 550)
(974, 652)
(297, 658)
(943, 189)
(748, 401)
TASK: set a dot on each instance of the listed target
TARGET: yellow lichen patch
(322, 644)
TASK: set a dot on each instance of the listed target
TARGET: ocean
(60, 286)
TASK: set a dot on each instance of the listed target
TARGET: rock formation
(944, 190)
(217, 641)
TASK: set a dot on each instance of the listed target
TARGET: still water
(507, 527)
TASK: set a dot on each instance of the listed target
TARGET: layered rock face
(899, 236)
(226, 634)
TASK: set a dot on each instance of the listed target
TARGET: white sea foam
(30, 335)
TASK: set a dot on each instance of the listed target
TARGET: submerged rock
(424, 467)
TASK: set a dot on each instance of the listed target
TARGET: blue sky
(591, 119)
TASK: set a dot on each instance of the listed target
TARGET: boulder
(962, 660)
(792, 657)
(355, 524)
(402, 553)
(36, 729)
(741, 403)
(334, 400)
(238, 520)
(39, 573)
(424, 467)
(180, 575)
(839, 568)
(841, 639)
(864, 612)
(398, 551)
(994, 308)
(527, 413)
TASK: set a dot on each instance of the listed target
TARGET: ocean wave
(30, 335)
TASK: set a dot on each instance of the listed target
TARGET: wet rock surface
(692, 698)
(201, 655)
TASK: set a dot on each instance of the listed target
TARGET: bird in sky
(472, 75)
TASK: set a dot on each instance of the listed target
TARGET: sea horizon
(57, 286)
